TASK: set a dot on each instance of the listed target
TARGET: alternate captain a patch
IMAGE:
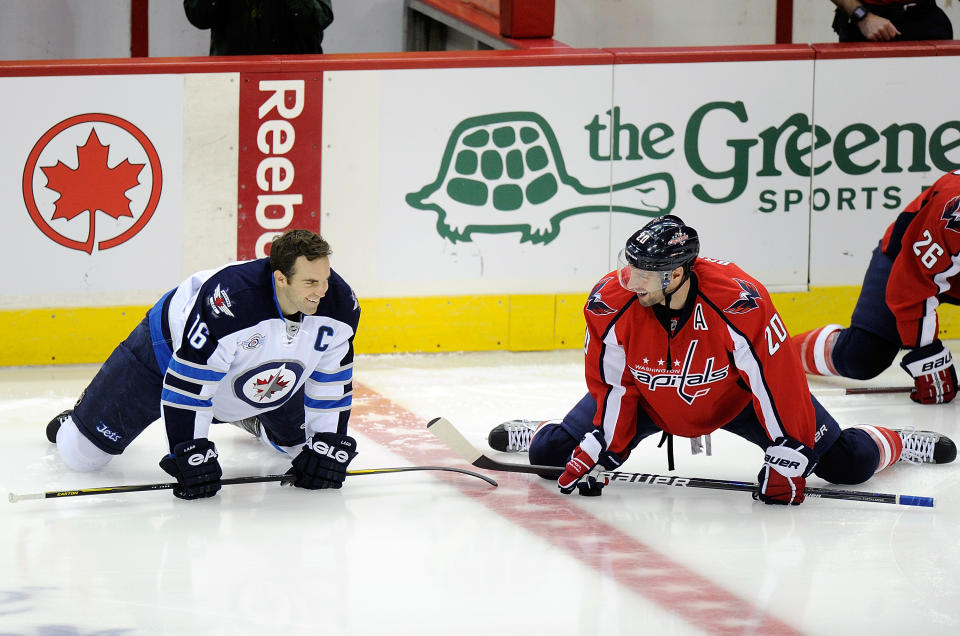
(748, 298)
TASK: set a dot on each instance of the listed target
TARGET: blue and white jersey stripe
(343, 375)
(333, 405)
(201, 374)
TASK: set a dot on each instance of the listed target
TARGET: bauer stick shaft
(112, 490)
(449, 435)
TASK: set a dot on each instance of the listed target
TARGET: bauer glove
(323, 462)
(783, 478)
(584, 470)
(195, 466)
(934, 376)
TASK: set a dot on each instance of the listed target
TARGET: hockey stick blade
(113, 490)
(449, 435)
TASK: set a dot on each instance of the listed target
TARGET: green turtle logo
(500, 171)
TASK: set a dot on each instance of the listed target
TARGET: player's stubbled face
(303, 290)
(648, 286)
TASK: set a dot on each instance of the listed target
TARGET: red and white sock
(888, 442)
(816, 349)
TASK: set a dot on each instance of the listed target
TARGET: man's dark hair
(288, 246)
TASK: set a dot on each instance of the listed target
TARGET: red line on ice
(601, 546)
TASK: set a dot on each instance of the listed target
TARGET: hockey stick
(449, 435)
(863, 390)
(111, 490)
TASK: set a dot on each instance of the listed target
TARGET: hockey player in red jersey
(914, 268)
(686, 346)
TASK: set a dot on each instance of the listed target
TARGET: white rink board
(383, 156)
(709, 117)
(62, 276)
(876, 93)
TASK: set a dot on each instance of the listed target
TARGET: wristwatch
(858, 14)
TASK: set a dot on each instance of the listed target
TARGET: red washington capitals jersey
(729, 348)
(924, 244)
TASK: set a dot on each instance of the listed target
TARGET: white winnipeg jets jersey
(233, 355)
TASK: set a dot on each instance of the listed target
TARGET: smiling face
(305, 286)
(648, 286)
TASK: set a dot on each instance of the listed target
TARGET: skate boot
(513, 436)
(926, 447)
(54, 426)
(251, 425)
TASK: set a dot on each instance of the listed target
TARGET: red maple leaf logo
(270, 386)
(93, 186)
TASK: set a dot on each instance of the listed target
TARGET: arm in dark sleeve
(205, 14)
(192, 376)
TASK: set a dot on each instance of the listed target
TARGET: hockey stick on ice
(862, 390)
(112, 490)
(449, 435)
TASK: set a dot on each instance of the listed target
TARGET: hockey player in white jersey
(268, 342)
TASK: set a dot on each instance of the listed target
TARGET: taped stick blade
(449, 435)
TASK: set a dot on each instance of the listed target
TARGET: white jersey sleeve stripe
(614, 363)
(746, 361)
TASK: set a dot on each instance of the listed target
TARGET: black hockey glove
(323, 462)
(196, 468)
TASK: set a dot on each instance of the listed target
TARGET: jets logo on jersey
(269, 384)
(595, 304)
(220, 303)
(748, 298)
(685, 379)
(951, 214)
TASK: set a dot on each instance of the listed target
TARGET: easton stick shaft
(112, 490)
(449, 435)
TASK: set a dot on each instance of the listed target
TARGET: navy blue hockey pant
(870, 344)
(847, 456)
(124, 397)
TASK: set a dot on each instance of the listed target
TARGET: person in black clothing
(887, 20)
(261, 27)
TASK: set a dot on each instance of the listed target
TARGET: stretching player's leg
(853, 455)
(871, 343)
(556, 439)
(282, 428)
(120, 402)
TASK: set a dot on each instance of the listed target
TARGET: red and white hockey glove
(934, 376)
(586, 465)
(783, 478)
